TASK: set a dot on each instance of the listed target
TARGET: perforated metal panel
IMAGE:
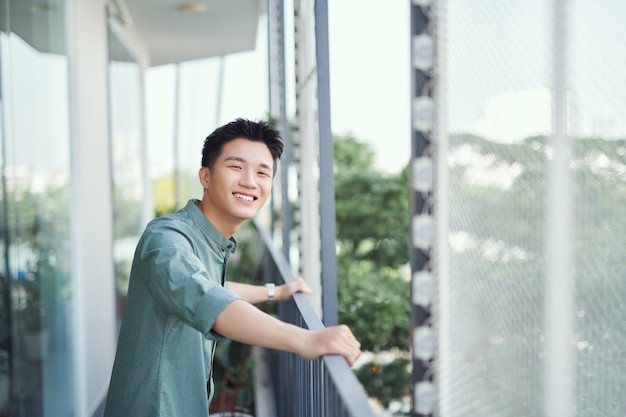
(530, 201)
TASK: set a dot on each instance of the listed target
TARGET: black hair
(258, 131)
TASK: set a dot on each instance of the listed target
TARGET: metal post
(176, 138)
(560, 285)
(422, 206)
(278, 109)
(327, 181)
(308, 216)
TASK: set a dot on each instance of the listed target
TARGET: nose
(247, 179)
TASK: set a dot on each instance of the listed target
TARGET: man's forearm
(253, 294)
(245, 323)
(258, 293)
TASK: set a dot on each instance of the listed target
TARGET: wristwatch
(270, 292)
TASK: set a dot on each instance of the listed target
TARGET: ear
(204, 174)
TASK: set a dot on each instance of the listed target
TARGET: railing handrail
(346, 383)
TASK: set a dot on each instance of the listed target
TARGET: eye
(235, 167)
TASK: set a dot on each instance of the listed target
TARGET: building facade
(75, 189)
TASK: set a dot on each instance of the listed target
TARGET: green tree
(374, 302)
(372, 212)
(386, 382)
(372, 208)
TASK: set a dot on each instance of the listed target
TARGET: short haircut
(258, 131)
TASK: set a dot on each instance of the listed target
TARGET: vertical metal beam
(308, 150)
(176, 137)
(422, 206)
(315, 157)
(560, 285)
(326, 161)
(278, 109)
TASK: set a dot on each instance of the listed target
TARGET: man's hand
(285, 291)
(335, 340)
(245, 323)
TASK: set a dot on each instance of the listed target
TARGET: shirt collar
(227, 245)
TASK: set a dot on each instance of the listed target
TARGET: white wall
(93, 292)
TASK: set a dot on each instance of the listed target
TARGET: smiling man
(179, 303)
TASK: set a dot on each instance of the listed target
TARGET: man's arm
(245, 323)
(258, 293)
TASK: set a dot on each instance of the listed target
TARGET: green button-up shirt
(176, 292)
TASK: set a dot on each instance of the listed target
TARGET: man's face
(239, 183)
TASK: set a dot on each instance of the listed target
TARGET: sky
(500, 65)
(496, 76)
(370, 76)
(369, 85)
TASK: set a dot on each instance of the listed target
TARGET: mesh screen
(598, 128)
(497, 86)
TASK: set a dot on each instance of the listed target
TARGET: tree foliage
(385, 381)
(372, 213)
(374, 302)
(372, 209)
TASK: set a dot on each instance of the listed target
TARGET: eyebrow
(240, 159)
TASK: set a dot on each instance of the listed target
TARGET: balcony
(298, 387)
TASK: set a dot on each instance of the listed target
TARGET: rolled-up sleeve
(180, 282)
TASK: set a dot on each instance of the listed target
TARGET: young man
(178, 303)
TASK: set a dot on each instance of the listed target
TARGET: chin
(246, 215)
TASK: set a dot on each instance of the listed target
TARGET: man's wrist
(271, 292)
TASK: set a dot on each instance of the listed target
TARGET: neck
(226, 226)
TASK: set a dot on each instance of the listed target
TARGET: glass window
(126, 159)
(35, 287)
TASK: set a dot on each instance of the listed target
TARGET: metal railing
(325, 387)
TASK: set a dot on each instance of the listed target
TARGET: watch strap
(270, 292)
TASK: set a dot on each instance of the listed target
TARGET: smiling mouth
(244, 197)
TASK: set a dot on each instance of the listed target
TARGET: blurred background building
(75, 185)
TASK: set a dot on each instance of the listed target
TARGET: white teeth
(244, 197)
